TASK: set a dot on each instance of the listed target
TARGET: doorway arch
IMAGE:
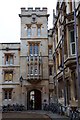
(34, 99)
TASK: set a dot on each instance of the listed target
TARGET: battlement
(37, 9)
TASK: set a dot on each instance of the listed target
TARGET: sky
(9, 16)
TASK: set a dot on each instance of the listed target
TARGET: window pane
(39, 31)
(73, 48)
(72, 36)
(8, 59)
(5, 95)
(10, 94)
(11, 59)
(29, 32)
(10, 76)
(36, 69)
(6, 76)
(31, 49)
(50, 70)
(31, 58)
(31, 69)
(36, 49)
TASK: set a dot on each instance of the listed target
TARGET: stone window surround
(9, 56)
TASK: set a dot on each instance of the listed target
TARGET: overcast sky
(10, 21)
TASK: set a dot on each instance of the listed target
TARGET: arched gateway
(34, 99)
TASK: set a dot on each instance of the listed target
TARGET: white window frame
(72, 43)
(71, 49)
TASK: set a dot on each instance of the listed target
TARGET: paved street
(30, 115)
(25, 115)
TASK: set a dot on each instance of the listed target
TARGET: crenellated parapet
(34, 10)
(30, 11)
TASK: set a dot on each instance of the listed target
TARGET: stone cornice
(30, 15)
(33, 38)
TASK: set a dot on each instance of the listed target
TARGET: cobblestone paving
(24, 116)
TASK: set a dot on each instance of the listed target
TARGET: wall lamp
(21, 80)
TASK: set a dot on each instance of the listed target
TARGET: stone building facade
(66, 75)
(42, 67)
(26, 67)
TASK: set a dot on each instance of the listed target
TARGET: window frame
(38, 31)
(72, 52)
(8, 58)
(34, 50)
(8, 75)
(7, 94)
(28, 31)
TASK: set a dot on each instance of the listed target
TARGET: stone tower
(34, 57)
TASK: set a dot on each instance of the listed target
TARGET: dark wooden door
(37, 100)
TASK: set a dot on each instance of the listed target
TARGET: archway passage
(34, 100)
